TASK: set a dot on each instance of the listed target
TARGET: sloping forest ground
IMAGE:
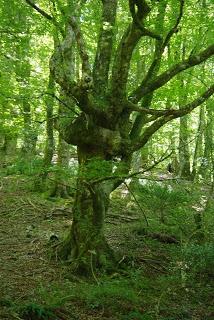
(165, 272)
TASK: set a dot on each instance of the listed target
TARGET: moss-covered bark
(85, 245)
(99, 120)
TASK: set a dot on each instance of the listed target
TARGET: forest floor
(154, 284)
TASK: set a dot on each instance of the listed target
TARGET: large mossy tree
(110, 108)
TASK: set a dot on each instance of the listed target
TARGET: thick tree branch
(161, 46)
(170, 115)
(62, 68)
(122, 60)
(122, 177)
(62, 63)
(192, 105)
(133, 107)
(42, 12)
(104, 47)
(86, 72)
(139, 16)
(142, 11)
(175, 27)
(166, 76)
(141, 119)
(45, 15)
(155, 113)
(127, 44)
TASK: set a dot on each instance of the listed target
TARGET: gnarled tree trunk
(85, 244)
(104, 128)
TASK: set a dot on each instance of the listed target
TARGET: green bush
(156, 195)
(114, 294)
(199, 258)
(27, 167)
(34, 311)
(108, 293)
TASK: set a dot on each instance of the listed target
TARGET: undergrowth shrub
(167, 207)
(34, 311)
(199, 259)
(26, 167)
(112, 294)
(161, 196)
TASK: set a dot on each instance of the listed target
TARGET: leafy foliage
(199, 259)
(33, 311)
(116, 94)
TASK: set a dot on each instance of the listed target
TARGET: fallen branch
(123, 217)
(164, 238)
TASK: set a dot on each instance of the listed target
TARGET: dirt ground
(27, 222)
(24, 233)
